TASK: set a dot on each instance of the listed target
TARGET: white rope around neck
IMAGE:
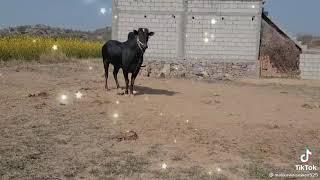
(139, 44)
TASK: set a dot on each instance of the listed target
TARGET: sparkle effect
(213, 21)
(64, 97)
(187, 121)
(218, 169)
(164, 166)
(34, 41)
(117, 102)
(115, 115)
(116, 17)
(79, 95)
(90, 68)
(206, 40)
(253, 6)
(175, 141)
(55, 47)
(103, 11)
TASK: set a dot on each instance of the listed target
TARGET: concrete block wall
(154, 15)
(223, 30)
(310, 66)
(185, 29)
(225, 6)
(150, 5)
(164, 43)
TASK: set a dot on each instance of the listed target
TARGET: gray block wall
(310, 66)
(217, 30)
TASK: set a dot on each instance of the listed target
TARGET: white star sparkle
(79, 95)
(206, 40)
(103, 11)
(55, 47)
(117, 102)
(164, 166)
(115, 115)
(116, 17)
(253, 6)
(64, 97)
(187, 121)
(219, 169)
(213, 21)
(210, 173)
(90, 68)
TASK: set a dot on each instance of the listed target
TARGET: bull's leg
(126, 78)
(115, 75)
(106, 73)
(133, 78)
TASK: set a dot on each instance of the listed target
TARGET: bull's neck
(133, 44)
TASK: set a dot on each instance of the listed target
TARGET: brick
(234, 39)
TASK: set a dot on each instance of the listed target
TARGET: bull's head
(143, 35)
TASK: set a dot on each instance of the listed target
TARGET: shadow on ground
(147, 90)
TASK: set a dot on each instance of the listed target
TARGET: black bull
(126, 55)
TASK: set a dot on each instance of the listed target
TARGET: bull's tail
(104, 52)
(105, 64)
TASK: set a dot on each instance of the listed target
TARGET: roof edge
(282, 31)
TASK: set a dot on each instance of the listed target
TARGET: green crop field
(31, 48)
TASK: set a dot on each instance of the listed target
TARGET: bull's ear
(151, 33)
(135, 32)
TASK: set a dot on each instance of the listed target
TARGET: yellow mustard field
(31, 48)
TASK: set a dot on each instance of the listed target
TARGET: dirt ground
(186, 129)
